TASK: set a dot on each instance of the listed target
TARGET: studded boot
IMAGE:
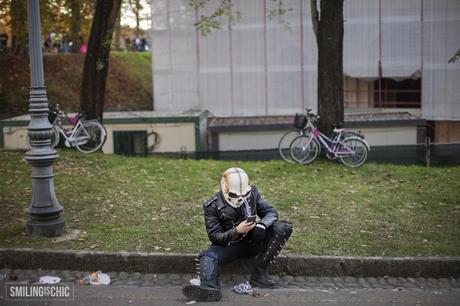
(260, 277)
(209, 288)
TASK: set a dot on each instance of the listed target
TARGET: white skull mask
(235, 186)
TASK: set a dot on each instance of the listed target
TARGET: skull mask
(235, 186)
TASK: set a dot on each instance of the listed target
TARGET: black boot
(262, 280)
(209, 289)
(280, 232)
(201, 294)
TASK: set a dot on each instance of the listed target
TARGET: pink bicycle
(351, 151)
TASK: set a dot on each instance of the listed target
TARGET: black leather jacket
(221, 219)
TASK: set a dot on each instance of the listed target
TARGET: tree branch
(456, 57)
(314, 16)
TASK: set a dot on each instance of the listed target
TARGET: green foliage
(207, 24)
(99, 64)
(155, 204)
(56, 15)
(107, 41)
(280, 11)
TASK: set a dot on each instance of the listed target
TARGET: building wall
(173, 136)
(447, 131)
(249, 140)
(15, 137)
(267, 67)
(383, 136)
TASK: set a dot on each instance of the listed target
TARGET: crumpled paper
(245, 288)
(49, 280)
(96, 278)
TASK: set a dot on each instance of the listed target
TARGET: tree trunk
(117, 33)
(329, 38)
(75, 24)
(136, 7)
(138, 21)
(97, 58)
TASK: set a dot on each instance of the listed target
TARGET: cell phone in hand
(251, 219)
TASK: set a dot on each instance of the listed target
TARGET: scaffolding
(259, 66)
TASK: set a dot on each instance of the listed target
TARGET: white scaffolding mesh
(441, 39)
(361, 38)
(247, 56)
(284, 61)
(174, 56)
(401, 38)
(264, 67)
(215, 68)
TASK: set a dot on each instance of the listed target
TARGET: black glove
(258, 233)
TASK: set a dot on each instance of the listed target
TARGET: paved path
(165, 289)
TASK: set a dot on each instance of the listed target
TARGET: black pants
(245, 248)
(215, 255)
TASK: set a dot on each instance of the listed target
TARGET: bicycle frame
(330, 144)
(69, 138)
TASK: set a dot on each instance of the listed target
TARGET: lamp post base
(45, 228)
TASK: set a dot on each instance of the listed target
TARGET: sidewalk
(286, 297)
(165, 289)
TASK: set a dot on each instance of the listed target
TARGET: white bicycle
(86, 135)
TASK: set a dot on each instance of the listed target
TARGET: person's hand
(245, 227)
(258, 234)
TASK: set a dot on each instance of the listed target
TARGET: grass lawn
(155, 204)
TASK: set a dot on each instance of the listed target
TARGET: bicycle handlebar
(310, 114)
(62, 114)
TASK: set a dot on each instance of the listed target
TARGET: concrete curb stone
(293, 265)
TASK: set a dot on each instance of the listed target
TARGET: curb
(295, 265)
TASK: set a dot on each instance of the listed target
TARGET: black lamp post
(45, 217)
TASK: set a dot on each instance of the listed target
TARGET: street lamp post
(45, 217)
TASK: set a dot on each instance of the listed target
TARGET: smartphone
(251, 219)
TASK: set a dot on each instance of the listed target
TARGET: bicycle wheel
(284, 143)
(353, 152)
(90, 136)
(303, 150)
(341, 137)
(55, 137)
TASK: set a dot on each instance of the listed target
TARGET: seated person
(230, 218)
